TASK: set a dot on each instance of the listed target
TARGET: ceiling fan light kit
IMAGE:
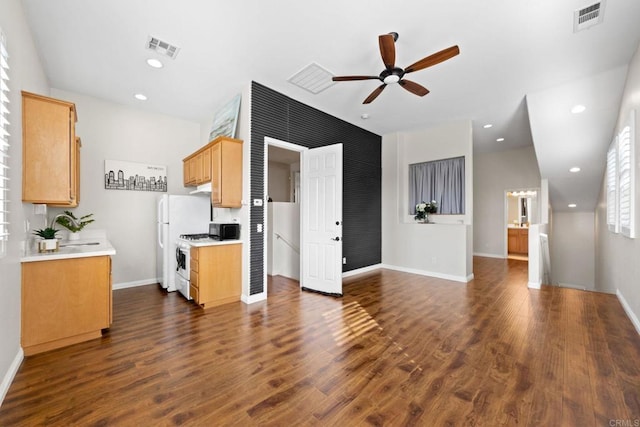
(392, 74)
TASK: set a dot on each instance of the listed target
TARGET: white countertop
(77, 249)
(208, 242)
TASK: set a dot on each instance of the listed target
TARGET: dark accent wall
(278, 116)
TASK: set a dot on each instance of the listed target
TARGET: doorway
(521, 210)
(282, 211)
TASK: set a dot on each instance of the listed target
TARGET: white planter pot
(74, 236)
(48, 245)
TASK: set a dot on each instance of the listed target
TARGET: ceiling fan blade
(388, 50)
(374, 94)
(434, 59)
(413, 87)
(350, 78)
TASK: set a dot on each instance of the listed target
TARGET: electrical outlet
(344, 260)
(259, 228)
(257, 202)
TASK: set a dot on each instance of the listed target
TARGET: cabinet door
(63, 299)
(216, 174)
(49, 152)
(206, 165)
(220, 276)
(524, 241)
(185, 172)
(231, 174)
(512, 240)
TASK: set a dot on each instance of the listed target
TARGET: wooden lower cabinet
(518, 240)
(216, 274)
(64, 302)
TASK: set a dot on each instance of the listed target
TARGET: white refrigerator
(177, 215)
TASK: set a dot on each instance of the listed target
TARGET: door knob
(337, 239)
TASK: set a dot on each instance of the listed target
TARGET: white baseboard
(10, 375)
(135, 283)
(488, 255)
(361, 270)
(627, 309)
(463, 279)
(251, 299)
(535, 285)
(572, 286)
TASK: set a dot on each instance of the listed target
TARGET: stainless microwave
(228, 231)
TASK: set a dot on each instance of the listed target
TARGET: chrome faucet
(55, 218)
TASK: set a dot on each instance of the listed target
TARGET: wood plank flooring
(398, 349)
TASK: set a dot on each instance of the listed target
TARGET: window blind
(626, 203)
(612, 186)
(4, 144)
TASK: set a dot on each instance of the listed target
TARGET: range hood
(202, 189)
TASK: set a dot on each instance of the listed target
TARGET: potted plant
(48, 242)
(424, 209)
(69, 221)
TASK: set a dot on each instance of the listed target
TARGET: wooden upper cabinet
(226, 173)
(220, 163)
(50, 156)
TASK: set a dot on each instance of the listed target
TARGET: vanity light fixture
(572, 205)
(154, 63)
(140, 97)
(574, 169)
(500, 139)
(577, 109)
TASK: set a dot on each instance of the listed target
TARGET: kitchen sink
(65, 245)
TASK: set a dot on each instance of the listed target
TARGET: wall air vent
(163, 48)
(588, 16)
(312, 78)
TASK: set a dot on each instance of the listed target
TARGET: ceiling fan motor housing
(391, 76)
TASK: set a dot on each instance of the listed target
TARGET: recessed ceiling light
(574, 169)
(577, 109)
(364, 116)
(572, 205)
(487, 126)
(140, 97)
(154, 63)
(500, 139)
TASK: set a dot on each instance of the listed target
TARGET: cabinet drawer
(195, 265)
(194, 293)
(194, 254)
(194, 279)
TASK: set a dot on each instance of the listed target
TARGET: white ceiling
(508, 49)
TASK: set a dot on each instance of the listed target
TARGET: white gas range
(183, 257)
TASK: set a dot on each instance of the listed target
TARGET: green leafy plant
(80, 223)
(46, 233)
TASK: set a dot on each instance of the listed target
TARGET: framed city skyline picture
(122, 175)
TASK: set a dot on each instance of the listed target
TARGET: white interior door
(321, 220)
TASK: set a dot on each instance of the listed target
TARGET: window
(612, 186)
(439, 180)
(620, 181)
(4, 145)
(626, 177)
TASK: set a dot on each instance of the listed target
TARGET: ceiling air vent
(588, 16)
(163, 48)
(312, 78)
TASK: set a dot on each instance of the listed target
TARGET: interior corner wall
(493, 174)
(280, 117)
(617, 268)
(110, 131)
(26, 73)
(572, 249)
(443, 249)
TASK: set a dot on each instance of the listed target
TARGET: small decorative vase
(48, 245)
(74, 235)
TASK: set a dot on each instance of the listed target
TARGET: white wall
(279, 174)
(494, 173)
(617, 268)
(443, 249)
(116, 132)
(573, 249)
(26, 73)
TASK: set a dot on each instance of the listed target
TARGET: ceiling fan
(392, 74)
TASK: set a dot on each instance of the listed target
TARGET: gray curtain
(440, 180)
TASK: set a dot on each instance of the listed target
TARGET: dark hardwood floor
(397, 349)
